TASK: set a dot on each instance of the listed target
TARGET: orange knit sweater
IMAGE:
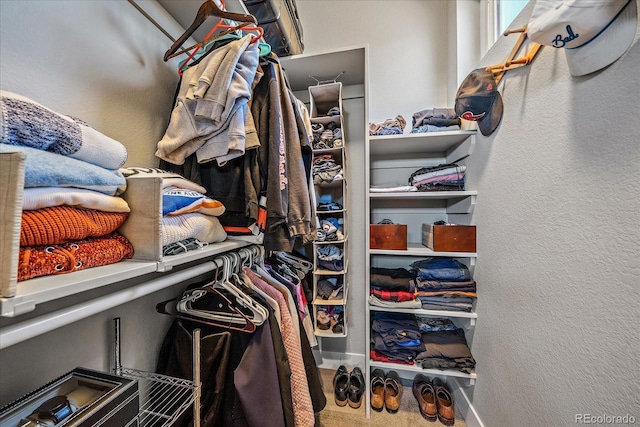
(60, 224)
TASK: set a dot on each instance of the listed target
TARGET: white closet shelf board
(168, 262)
(417, 369)
(453, 145)
(39, 290)
(424, 195)
(428, 313)
(417, 249)
(323, 66)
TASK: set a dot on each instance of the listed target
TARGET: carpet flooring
(408, 415)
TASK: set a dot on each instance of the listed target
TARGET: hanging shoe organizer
(330, 286)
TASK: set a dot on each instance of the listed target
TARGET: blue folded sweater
(45, 169)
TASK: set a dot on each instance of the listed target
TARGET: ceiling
(184, 11)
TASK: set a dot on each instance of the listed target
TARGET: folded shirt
(30, 124)
(46, 197)
(177, 201)
(204, 228)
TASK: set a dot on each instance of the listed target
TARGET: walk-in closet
(319, 213)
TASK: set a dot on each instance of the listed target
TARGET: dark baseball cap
(478, 100)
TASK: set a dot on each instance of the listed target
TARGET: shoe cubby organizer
(330, 284)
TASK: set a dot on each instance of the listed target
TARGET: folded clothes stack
(325, 170)
(330, 257)
(443, 177)
(392, 288)
(435, 120)
(331, 230)
(187, 213)
(396, 336)
(326, 136)
(444, 284)
(71, 198)
(393, 126)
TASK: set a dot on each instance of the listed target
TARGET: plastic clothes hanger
(227, 323)
(260, 313)
(207, 9)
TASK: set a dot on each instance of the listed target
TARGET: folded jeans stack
(444, 284)
(435, 120)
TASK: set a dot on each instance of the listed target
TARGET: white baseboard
(464, 405)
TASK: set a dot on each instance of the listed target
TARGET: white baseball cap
(594, 33)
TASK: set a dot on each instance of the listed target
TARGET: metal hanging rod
(153, 21)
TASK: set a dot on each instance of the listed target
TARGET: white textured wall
(407, 48)
(558, 269)
(557, 211)
(100, 61)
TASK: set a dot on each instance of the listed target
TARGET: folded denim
(332, 206)
(336, 265)
(330, 253)
(433, 324)
(432, 128)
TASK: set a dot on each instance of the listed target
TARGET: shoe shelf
(390, 161)
(326, 109)
(413, 369)
(162, 399)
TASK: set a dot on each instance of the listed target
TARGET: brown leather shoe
(426, 396)
(377, 390)
(392, 392)
(444, 397)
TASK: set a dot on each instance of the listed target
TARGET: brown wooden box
(449, 237)
(388, 236)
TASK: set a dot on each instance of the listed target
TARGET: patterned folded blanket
(27, 123)
(35, 261)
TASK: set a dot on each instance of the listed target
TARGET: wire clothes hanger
(207, 9)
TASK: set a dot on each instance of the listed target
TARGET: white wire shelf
(163, 399)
